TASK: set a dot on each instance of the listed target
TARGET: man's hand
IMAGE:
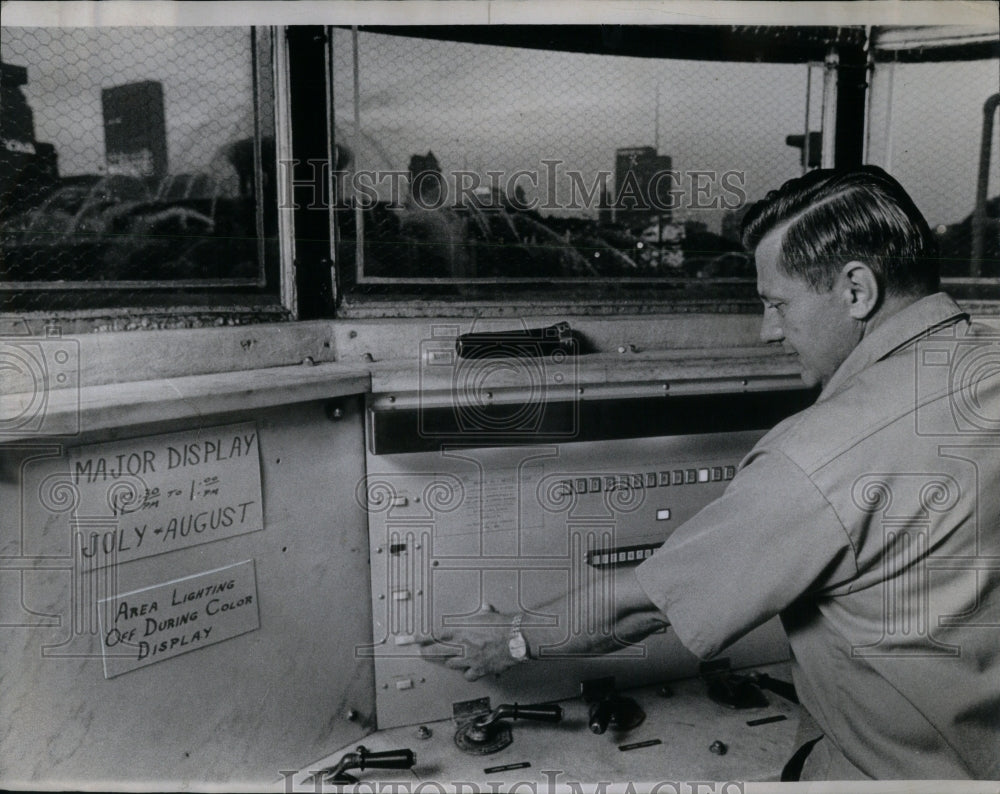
(483, 647)
(478, 649)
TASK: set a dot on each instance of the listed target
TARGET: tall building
(135, 130)
(28, 169)
(633, 204)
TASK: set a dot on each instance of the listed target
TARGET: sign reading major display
(146, 496)
(159, 622)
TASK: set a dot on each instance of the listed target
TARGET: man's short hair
(837, 216)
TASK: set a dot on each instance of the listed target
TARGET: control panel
(720, 726)
(460, 529)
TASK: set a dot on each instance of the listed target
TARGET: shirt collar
(901, 329)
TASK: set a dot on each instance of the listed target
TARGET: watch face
(517, 646)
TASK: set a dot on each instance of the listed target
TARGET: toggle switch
(483, 732)
(608, 708)
(362, 759)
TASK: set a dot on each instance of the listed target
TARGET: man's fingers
(457, 663)
(435, 651)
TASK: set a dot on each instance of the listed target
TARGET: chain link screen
(130, 161)
(926, 128)
(468, 161)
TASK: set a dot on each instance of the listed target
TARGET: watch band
(516, 644)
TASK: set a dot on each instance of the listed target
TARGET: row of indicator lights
(634, 554)
(651, 479)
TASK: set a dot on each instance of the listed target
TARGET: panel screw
(351, 715)
(717, 747)
(423, 732)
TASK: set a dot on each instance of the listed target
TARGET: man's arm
(483, 649)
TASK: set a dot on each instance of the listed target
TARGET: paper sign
(146, 496)
(159, 622)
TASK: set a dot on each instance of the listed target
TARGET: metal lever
(541, 712)
(486, 734)
(362, 759)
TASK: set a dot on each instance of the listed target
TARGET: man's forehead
(766, 257)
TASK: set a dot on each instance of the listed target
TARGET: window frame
(308, 281)
(846, 109)
(259, 298)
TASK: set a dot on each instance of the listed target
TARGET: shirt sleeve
(769, 539)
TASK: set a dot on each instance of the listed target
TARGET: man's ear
(860, 290)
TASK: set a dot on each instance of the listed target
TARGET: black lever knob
(600, 715)
(386, 759)
(541, 712)
(362, 759)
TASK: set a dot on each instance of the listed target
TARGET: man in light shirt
(870, 522)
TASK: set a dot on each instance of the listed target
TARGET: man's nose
(770, 328)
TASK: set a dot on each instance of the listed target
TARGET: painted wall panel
(235, 713)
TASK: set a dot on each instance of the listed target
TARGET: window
(585, 162)
(933, 124)
(562, 160)
(373, 171)
(131, 168)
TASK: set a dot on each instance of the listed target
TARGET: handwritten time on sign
(165, 620)
(166, 492)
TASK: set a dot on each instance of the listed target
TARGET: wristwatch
(516, 644)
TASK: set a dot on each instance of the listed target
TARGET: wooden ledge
(70, 411)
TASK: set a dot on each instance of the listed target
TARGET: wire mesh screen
(927, 128)
(464, 161)
(130, 159)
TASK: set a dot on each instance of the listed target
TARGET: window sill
(65, 413)
(593, 376)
